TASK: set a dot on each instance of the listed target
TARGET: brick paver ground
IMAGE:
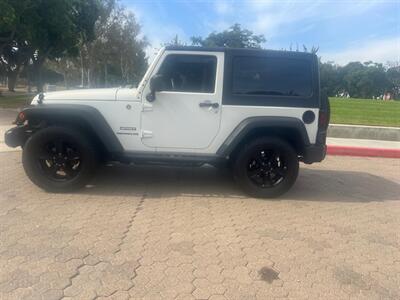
(158, 233)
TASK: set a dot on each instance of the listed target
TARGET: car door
(186, 112)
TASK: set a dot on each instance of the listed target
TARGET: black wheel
(266, 167)
(59, 159)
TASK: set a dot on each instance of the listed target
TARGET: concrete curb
(364, 132)
(362, 151)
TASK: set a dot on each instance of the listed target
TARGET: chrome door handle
(209, 104)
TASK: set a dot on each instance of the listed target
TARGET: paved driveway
(7, 116)
(160, 233)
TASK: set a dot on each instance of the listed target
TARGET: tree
(43, 29)
(14, 56)
(124, 50)
(117, 54)
(112, 52)
(8, 21)
(14, 50)
(175, 42)
(360, 80)
(365, 80)
(330, 79)
(86, 59)
(234, 37)
(59, 27)
(393, 75)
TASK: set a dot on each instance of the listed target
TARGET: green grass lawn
(344, 111)
(16, 100)
(365, 112)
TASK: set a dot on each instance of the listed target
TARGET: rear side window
(290, 77)
(189, 73)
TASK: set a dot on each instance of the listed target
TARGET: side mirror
(156, 85)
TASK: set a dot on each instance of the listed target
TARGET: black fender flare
(79, 114)
(249, 124)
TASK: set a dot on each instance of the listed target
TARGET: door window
(189, 73)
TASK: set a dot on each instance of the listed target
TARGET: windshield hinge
(147, 107)
(146, 134)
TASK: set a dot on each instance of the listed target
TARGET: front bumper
(314, 153)
(15, 136)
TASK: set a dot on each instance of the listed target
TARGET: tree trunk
(65, 80)
(105, 75)
(12, 76)
(82, 69)
(39, 74)
(12, 80)
(39, 82)
(89, 80)
(123, 77)
(28, 70)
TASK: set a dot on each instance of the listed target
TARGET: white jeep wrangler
(258, 111)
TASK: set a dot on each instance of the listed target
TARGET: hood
(89, 94)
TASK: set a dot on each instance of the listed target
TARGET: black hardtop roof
(242, 51)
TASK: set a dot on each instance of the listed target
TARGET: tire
(59, 159)
(266, 167)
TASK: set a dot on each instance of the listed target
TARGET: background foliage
(89, 42)
(360, 80)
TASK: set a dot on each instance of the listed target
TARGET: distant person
(387, 96)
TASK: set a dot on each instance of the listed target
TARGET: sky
(344, 30)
